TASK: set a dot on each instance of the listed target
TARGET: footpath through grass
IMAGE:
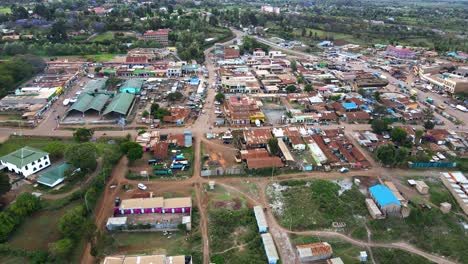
(315, 205)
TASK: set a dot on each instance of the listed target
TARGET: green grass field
(39, 230)
(101, 57)
(16, 142)
(103, 37)
(5, 10)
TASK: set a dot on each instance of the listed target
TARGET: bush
(14, 215)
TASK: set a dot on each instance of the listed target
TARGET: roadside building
(314, 251)
(358, 117)
(161, 36)
(132, 86)
(241, 110)
(154, 205)
(120, 105)
(148, 259)
(267, 162)
(54, 175)
(261, 219)
(257, 138)
(457, 183)
(270, 249)
(25, 161)
(178, 116)
(116, 223)
(400, 52)
(385, 200)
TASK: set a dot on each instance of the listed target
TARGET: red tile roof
(318, 249)
(161, 150)
(163, 31)
(254, 153)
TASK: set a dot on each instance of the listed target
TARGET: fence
(432, 164)
(221, 172)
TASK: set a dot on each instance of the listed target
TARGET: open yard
(173, 243)
(221, 198)
(106, 36)
(312, 205)
(304, 205)
(234, 237)
(101, 57)
(39, 230)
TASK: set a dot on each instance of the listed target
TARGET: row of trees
(17, 70)
(24, 205)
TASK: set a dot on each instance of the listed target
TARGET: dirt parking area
(217, 154)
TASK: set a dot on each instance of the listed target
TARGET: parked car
(141, 186)
(117, 201)
(344, 169)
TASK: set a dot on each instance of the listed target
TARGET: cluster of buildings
(34, 164)
(439, 77)
(302, 148)
(385, 200)
(457, 184)
(94, 100)
(35, 97)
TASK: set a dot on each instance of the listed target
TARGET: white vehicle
(90, 75)
(218, 112)
(141, 186)
(344, 169)
(73, 100)
(462, 108)
(66, 102)
(258, 123)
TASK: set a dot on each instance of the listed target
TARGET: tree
(154, 107)
(97, 69)
(386, 154)
(308, 88)
(134, 154)
(273, 146)
(398, 135)
(401, 154)
(220, 97)
(379, 126)
(82, 156)
(74, 224)
(83, 134)
(145, 114)
(61, 248)
(429, 124)
(377, 96)
(428, 114)
(380, 110)
(5, 185)
(56, 149)
(361, 91)
(126, 146)
(294, 66)
(174, 96)
(58, 31)
(291, 89)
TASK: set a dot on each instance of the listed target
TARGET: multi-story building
(400, 52)
(161, 36)
(242, 110)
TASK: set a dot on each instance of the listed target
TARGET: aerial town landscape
(233, 132)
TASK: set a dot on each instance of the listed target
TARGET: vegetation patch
(234, 237)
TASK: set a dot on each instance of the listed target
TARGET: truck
(163, 172)
(177, 166)
(430, 100)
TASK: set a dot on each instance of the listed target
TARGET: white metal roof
(260, 216)
(284, 149)
(270, 248)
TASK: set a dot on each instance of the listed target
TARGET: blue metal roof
(383, 195)
(349, 106)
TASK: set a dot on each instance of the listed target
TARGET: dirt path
(104, 208)
(203, 207)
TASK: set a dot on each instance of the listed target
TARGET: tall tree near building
(5, 185)
(273, 146)
(83, 134)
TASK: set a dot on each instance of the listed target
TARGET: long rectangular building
(154, 205)
(270, 249)
(261, 220)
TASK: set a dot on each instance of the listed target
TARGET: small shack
(422, 187)
(314, 251)
(116, 223)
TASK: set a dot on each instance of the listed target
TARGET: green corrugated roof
(120, 104)
(23, 156)
(134, 83)
(87, 102)
(82, 103)
(50, 176)
(98, 102)
(97, 84)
